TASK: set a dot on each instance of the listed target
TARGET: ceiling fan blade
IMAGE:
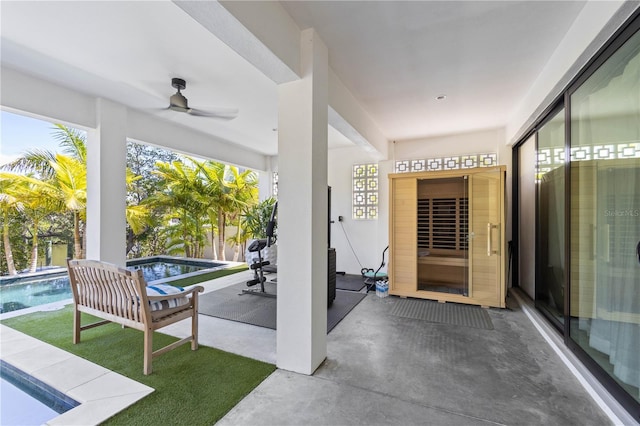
(223, 113)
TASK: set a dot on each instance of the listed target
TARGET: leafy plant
(257, 218)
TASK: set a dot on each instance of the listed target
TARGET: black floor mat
(446, 313)
(228, 303)
(349, 282)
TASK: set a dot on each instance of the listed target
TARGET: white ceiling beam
(347, 116)
(264, 34)
(149, 129)
(41, 99)
(261, 32)
(45, 100)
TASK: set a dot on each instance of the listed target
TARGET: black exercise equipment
(258, 265)
(271, 226)
(258, 271)
(371, 277)
(271, 239)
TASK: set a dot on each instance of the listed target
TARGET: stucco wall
(369, 237)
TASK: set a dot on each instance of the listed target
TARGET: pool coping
(101, 393)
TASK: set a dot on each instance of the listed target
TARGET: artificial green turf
(208, 276)
(191, 387)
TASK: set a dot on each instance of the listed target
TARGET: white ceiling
(394, 56)
(397, 57)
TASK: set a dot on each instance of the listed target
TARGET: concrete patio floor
(384, 369)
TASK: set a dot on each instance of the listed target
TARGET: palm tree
(240, 237)
(212, 174)
(65, 175)
(64, 191)
(37, 203)
(38, 161)
(69, 187)
(242, 192)
(9, 200)
(229, 191)
(182, 197)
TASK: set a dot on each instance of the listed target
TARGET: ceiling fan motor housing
(178, 102)
(178, 83)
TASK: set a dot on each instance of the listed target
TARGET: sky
(19, 133)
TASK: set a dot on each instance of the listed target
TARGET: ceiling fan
(179, 103)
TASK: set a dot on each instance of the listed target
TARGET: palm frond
(33, 161)
(72, 141)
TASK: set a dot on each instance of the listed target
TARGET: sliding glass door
(605, 216)
(550, 171)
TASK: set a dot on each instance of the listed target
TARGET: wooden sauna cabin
(447, 236)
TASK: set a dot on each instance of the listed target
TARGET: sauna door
(486, 237)
(403, 238)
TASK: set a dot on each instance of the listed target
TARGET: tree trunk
(77, 247)
(34, 248)
(185, 234)
(130, 240)
(83, 239)
(236, 247)
(8, 253)
(221, 221)
(214, 246)
(196, 243)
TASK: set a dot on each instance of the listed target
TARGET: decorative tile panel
(365, 191)
(611, 151)
(418, 165)
(447, 163)
(274, 182)
(403, 166)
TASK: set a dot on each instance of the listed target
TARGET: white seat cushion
(163, 290)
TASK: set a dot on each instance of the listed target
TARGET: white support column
(106, 184)
(302, 212)
(264, 184)
(265, 180)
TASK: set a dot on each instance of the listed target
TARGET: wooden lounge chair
(121, 296)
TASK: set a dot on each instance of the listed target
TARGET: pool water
(28, 401)
(34, 291)
(16, 404)
(157, 270)
(26, 291)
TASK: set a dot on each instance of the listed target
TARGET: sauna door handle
(638, 251)
(490, 250)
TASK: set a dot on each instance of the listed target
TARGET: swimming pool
(160, 267)
(26, 400)
(33, 290)
(24, 291)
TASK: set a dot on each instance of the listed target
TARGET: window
(586, 173)
(365, 191)
(274, 183)
(604, 212)
(447, 163)
(550, 182)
